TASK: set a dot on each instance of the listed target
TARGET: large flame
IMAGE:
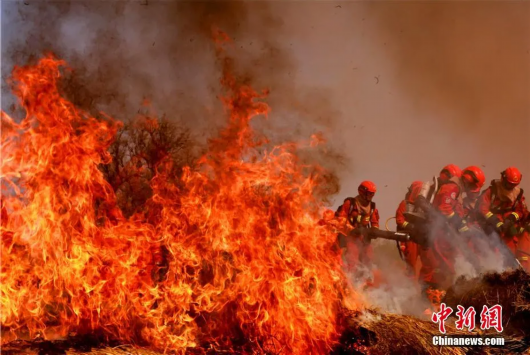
(234, 256)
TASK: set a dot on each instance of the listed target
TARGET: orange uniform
(447, 202)
(359, 215)
(502, 210)
(438, 260)
(359, 211)
(473, 180)
(410, 249)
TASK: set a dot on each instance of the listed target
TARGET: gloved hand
(508, 226)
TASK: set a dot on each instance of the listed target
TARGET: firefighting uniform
(358, 215)
(438, 260)
(411, 249)
(497, 206)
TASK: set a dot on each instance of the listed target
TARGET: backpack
(352, 204)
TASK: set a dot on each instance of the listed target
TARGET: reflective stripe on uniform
(464, 229)
(359, 218)
(451, 215)
(489, 214)
(499, 224)
(405, 224)
(516, 215)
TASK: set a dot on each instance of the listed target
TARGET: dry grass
(510, 289)
(405, 334)
(398, 334)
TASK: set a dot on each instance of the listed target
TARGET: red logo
(465, 319)
(441, 316)
(491, 318)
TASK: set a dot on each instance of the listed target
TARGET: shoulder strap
(372, 208)
(493, 190)
(518, 198)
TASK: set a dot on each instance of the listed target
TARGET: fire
(435, 297)
(232, 256)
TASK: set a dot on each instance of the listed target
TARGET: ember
(232, 259)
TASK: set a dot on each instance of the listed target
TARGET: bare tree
(140, 146)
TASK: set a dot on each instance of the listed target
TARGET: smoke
(487, 254)
(387, 286)
(469, 254)
(125, 52)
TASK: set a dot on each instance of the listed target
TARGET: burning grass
(230, 257)
(367, 332)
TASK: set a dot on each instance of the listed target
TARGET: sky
(399, 89)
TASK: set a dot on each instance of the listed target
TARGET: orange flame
(435, 297)
(236, 257)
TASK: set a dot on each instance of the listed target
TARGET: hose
(386, 223)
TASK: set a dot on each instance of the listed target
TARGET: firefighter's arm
(520, 211)
(449, 207)
(374, 219)
(484, 204)
(401, 222)
(516, 216)
(400, 217)
(458, 219)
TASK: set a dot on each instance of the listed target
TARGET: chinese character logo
(491, 318)
(441, 316)
(465, 319)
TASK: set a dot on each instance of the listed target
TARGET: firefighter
(502, 208)
(405, 224)
(473, 180)
(449, 174)
(359, 211)
(445, 218)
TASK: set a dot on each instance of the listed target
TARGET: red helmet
(449, 171)
(473, 178)
(367, 190)
(511, 177)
